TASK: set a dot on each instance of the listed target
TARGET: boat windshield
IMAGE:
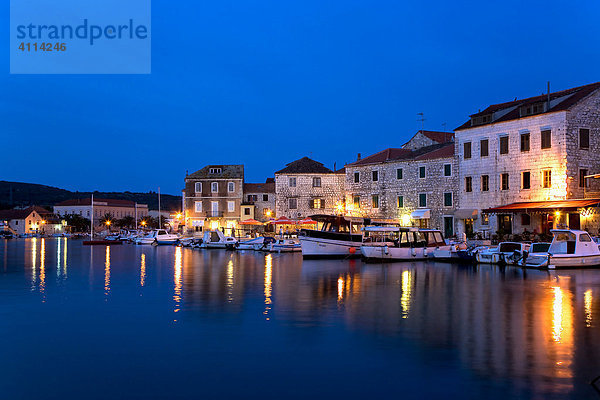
(539, 248)
(563, 243)
(509, 247)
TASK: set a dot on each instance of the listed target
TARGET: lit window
(356, 202)
(317, 203)
(547, 178)
(400, 201)
(231, 206)
(375, 201)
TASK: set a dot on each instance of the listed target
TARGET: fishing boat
(504, 253)
(285, 246)
(259, 243)
(158, 237)
(217, 240)
(537, 255)
(403, 243)
(338, 237)
(569, 249)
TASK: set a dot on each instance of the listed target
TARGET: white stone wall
(260, 205)
(331, 191)
(513, 163)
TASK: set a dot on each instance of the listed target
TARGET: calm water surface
(142, 322)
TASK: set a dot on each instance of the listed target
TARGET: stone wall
(206, 196)
(388, 188)
(261, 205)
(331, 192)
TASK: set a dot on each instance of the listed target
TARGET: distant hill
(13, 194)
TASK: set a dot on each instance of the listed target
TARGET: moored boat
(408, 244)
(339, 237)
(569, 249)
(217, 240)
(285, 246)
(505, 252)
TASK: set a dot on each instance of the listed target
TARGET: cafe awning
(543, 206)
(421, 213)
(250, 222)
(465, 213)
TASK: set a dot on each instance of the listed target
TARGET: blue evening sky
(264, 83)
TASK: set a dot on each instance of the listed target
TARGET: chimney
(334, 169)
(358, 157)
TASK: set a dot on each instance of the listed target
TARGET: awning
(250, 222)
(465, 213)
(543, 206)
(421, 213)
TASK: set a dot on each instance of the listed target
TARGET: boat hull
(328, 248)
(560, 261)
(385, 253)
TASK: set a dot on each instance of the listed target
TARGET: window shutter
(323, 203)
(311, 203)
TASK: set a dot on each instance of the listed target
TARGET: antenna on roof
(422, 119)
(444, 126)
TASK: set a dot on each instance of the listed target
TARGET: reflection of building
(115, 208)
(306, 187)
(415, 184)
(213, 196)
(537, 149)
(259, 201)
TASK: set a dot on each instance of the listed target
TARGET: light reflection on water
(499, 332)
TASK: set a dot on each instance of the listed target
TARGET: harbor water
(144, 322)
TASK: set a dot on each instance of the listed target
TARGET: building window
(214, 187)
(293, 203)
(375, 201)
(447, 169)
(375, 176)
(467, 150)
(399, 173)
(584, 139)
(231, 206)
(526, 180)
(485, 219)
(504, 181)
(485, 183)
(316, 182)
(503, 144)
(198, 206)
(317, 203)
(198, 187)
(447, 199)
(356, 202)
(547, 178)
(246, 211)
(421, 172)
(356, 177)
(525, 141)
(525, 219)
(293, 182)
(422, 200)
(265, 197)
(484, 147)
(231, 187)
(546, 139)
(582, 181)
(400, 201)
(468, 184)
(215, 170)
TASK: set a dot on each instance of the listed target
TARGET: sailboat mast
(159, 225)
(92, 224)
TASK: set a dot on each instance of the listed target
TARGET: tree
(107, 219)
(149, 222)
(77, 222)
(126, 222)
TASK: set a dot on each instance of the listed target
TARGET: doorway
(574, 221)
(448, 227)
(505, 224)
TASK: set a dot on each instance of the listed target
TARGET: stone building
(516, 158)
(25, 221)
(306, 187)
(414, 185)
(116, 208)
(259, 201)
(212, 197)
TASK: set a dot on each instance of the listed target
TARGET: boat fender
(413, 252)
(386, 250)
(352, 250)
(425, 252)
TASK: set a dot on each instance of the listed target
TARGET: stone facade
(392, 185)
(213, 197)
(518, 167)
(305, 187)
(259, 199)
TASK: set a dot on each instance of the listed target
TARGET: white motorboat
(408, 244)
(285, 246)
(569, 249)
(339, 237)
(158, 236)
(504, 253)
(259, 243)
(537, 256)
(217, 240)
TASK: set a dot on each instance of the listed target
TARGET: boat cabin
(567, 241)
(336, 228)
(404, 236)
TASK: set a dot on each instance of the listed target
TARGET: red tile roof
(7, 215)
(267, 187)
(572, 97)
(424, 153)
(305, 165)
(549, 206)
(440, 137)
(88, 201)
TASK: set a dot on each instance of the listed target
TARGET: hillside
(14, 194)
